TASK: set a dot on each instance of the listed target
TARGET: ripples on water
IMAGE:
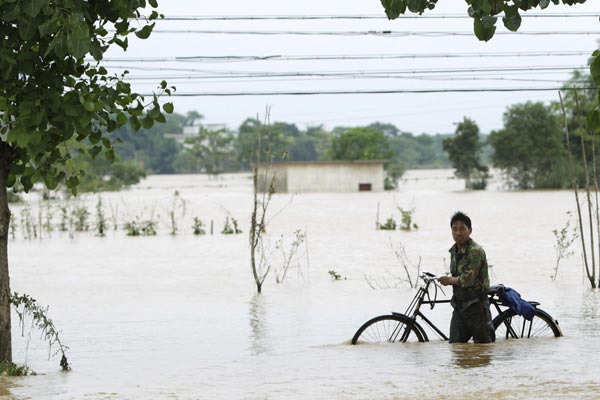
(177, 317)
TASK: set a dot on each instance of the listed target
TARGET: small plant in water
(299, 237)
(335, 275)
(27, 223)
(80, 218)
(133, 228)
(177, 211)
(407, 219)
(564, 239)
(198, 227)
(231, 229)
(63, 225)
(101, 225)
(26, 305)
(389, 225)
(48, 220)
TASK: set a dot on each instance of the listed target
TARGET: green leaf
(50, 181)
(89, 105)
(78, 43)
(95, 136)
(168, 107)
(12, 14)
(145, 32)
(110, 155)
(72, 182)
(593, 120)
(393, 8)
(27, 29)
(49, 27)
(22, 138)
(511, 19)
(153, 3)
(121, 118)
(33, 7)
(135, 123)
(147, 122)
(94, 151)
(12, 179)
(160, 118)
(544, 4)
(595, 67)
(485, 27)
(26, 182)
(58, 45)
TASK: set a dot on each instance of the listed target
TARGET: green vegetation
(389, 225)
(9, 368)
(530, 148)
(24, 305)
(55, 103)
(464, 151)
(198, 227)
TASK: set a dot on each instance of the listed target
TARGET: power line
(359, 16)
(325, 57)
(368, 91)
(383, 33)
(209, 74)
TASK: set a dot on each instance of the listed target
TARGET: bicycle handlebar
(428, 276)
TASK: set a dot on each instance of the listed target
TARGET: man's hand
(448, 280)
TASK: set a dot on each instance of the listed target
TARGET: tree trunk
(5, 326)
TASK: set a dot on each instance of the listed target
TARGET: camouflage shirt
(471, 268)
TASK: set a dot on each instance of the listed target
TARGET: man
(471, 317)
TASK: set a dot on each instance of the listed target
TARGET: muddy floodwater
(178, 317)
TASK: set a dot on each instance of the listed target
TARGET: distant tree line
(216, 151)
(530, 150)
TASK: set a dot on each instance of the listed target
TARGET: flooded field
(178, 317)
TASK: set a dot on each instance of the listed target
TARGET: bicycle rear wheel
(388, 328)
(542, 325)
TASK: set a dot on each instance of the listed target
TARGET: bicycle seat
(496, 290)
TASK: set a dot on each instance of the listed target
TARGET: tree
(50, 95)
(151, 147)
(529, 149)
(213, 149)
(483, 12)
(148, 147)
(365, 143)
(275, 143)
(464, 151)
(360, 144)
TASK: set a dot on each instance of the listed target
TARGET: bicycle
(397, 327)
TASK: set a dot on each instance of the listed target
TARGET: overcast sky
(402, 60)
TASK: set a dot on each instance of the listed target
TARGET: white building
(327, 176)
(192, 130)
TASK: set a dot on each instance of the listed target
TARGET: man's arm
(468, 277)
(448, 280)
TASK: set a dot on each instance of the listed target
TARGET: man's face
(460, 233)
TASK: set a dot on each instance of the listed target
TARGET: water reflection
(471, 355)
(589, 312)
(258, 326)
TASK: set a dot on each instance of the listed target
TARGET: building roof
(334, 162)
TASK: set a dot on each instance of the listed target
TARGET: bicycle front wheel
(388, 329)
(542, 325)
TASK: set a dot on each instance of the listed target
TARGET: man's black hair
(460, 216)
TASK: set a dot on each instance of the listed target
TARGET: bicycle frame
(413, 311)
(405, 327)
